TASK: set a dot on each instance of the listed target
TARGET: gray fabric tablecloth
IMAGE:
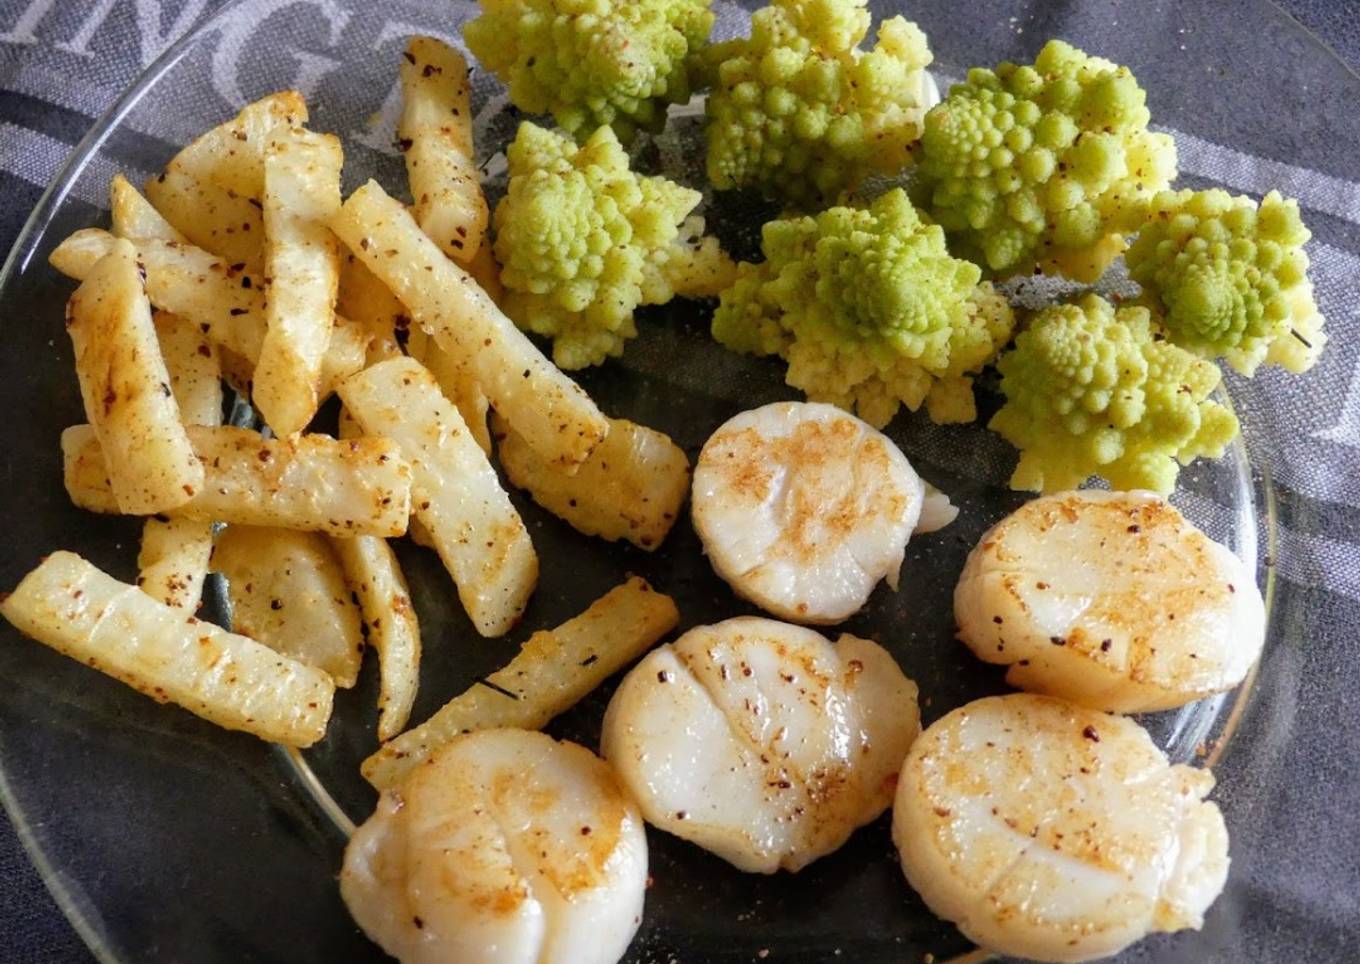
(1304, 880)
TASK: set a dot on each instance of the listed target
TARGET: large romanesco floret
(1091, 390)
(1229, 278)
(583, 241)
(1044, 166)
(869, 310)
(798, 112)
(593, 62)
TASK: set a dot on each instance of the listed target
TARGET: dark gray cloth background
(1305, 880)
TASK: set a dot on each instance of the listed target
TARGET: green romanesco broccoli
(800, 113)
(593, 62)
(1095, 390)
(869, 310)
(583, 241)
(1230, 278)
(1044, 166)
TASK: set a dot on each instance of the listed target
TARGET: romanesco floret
(593, 62)
(869, 310)
(1094, 390)
(1229, 278)
(583, 241)
(1042, 166)
(798, 112)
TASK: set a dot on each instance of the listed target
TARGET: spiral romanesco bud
(583, 241)
(593, 62)
(798, 112)
(869, 310)
(1042, 166)
(1091, 390)
(1230, 278)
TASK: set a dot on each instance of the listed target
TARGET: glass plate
(166, 839)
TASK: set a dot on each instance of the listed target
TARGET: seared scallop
(1111, 600)
(761, 741)
(507, 846)
(804, 508)
(1049, 831)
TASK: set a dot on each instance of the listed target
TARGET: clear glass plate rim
(1261, 498)
(1315, 37)
(23, 249)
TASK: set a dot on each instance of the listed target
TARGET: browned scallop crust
(1050, 831)
(1111, 600)
(505, 845)
(762, 742)
(804, 508)
(744, 462)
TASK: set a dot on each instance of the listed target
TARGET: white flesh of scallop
(936, 511)
(1050, 831)
(506, 848)
(761, 741)
(1111, 600)
(803, 508)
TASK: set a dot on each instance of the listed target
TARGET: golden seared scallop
(1112, 600)
(761, 741)
(507, 846)
(1049, 831)
(804, 508)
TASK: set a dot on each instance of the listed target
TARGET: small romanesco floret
(798, 112)
(869, 310)
(1045, 166)
(1229, 278)
(593, 62)
(1091, 390)
(583, 241)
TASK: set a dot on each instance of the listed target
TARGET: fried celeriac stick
(312, 482)
(435, 133)
(227, 225)
(551, 411)
(553, 671)
(631, 487)
(302, 261)
(227, 679)
(224, 300)
(374, 575)
(173, 560)
(288, 591)
(455, 491)
(232, 154)
(126, 388)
